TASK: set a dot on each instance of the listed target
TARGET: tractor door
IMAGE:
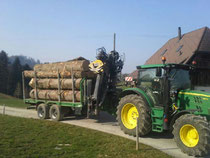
(152, 84)
(179, 79)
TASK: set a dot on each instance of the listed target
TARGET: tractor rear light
(165, 120)
(194, 62)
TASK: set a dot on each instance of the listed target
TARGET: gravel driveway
(107, 123)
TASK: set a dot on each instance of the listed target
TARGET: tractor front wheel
(129, 109)
(192, 135)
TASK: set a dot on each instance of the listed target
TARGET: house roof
(181, 51)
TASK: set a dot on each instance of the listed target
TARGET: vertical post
(72, 78)
(137, 134)
(114, 41)
(59, 87)
(85, 93)
(4, 109)
(23, 84)
(36, 93)
(89, 99)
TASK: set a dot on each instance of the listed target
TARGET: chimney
(179, 33)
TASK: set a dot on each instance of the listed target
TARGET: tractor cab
(162, 80)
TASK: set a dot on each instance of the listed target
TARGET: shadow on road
(163, 135)
(106, 119)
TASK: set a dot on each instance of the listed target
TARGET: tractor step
(157, 119)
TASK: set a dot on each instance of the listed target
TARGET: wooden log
(66, 95)
(65, 84)
(77, 65)
(64, 74)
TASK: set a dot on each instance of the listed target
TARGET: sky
(60, 30)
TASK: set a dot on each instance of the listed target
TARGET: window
(178, 49)
(163, 52)
(146, 76)
(180, 79)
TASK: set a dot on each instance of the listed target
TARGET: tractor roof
(163, 65)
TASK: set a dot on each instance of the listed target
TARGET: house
(185, 48)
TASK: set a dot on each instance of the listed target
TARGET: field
(21, 137)
(11, 101)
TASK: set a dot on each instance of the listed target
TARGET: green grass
(21, 137)
(12, 101)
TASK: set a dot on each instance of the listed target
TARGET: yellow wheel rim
(189, 135)
(129, 114)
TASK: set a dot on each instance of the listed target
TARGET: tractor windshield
(146, 76)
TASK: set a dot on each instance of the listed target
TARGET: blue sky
(59, 30)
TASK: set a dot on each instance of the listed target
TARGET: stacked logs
(46, 84)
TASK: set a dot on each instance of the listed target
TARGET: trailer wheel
(43, 111)
(192, 135)
(56, 113)
(130, 107)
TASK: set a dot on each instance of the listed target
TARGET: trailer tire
(192, 135)
(43, 111)
(56, 113)
(130, 107)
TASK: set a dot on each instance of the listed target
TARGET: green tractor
(169, 97)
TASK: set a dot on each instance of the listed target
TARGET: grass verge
(12, 101)
(20, 137)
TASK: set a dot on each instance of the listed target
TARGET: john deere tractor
(169, 97)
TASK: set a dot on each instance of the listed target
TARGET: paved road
(107, 123)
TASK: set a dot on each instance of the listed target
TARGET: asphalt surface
(108, 124)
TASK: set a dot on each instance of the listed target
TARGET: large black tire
(43, 111)
(56, 113)
(145, 123)
(192, 135)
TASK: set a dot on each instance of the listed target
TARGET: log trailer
(93, 91)
(165, 98)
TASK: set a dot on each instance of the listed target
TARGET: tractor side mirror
(158, 72)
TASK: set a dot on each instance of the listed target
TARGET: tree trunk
(66, 95)
(53, 83)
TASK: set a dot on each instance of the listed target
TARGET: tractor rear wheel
(56, 113)
(192, 135)
(43, 111)
(129, 109)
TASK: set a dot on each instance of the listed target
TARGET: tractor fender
(176, 116)
(183, 112)
(139, 92)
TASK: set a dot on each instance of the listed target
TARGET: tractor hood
(195, 101)
(196, 93)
